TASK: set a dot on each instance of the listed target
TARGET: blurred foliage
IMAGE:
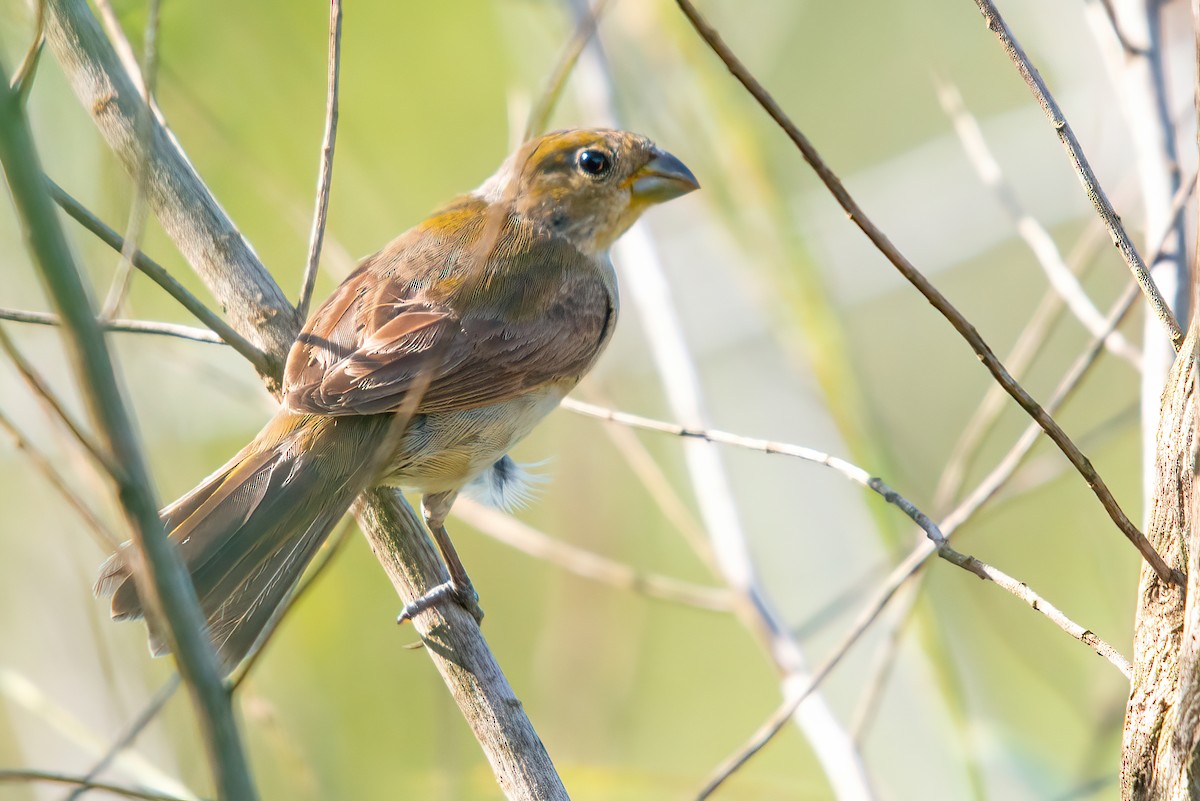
(803, 334)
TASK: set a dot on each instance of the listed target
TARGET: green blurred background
(802, 334)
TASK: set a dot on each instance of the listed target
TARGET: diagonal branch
(1083, 169)
(934, 296)
(120, 326)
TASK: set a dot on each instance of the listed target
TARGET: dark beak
(662, 178)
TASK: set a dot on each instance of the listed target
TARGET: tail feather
(248, 531)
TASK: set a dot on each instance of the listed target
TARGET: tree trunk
(1159, 750)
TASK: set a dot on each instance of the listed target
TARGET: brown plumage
(477, 321)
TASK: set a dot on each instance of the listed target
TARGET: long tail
(248, 531)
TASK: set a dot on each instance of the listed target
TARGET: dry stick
(105, 538)
(204, 234)
(136, 225)
(22, 79)
(934, 544)
(8, 776)
(1035, 235)
(162, 580)
(1126, 45)
(585, 29)
(1025, 350)
(939, 301)
(43, 391)
(325, 174)
(120, 326)
(645, 281)
(131, 733)
(159, 274)
(1083, 169)
(512, 532)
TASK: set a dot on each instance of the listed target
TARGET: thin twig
(105, 538)
(136, 225)
(325, 175)
(126, 738)
(506, 529)
(871, 611)
(43, 391)
(22, 80)
(585, 29)
(1110, 12)
(8, 776)
(936, 298)
(1035, 235)
(159, 274)
(162, 579)
(1083, 169)
(120, 326)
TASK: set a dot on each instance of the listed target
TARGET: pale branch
(645, 284)
(54, 777)
(105, 538)
(451, 636)
(939, 301)
(40, 388)
(159, 274)
(22, 79)
(126, 738)
(162, 579)
(936, 543)
(510, 531)
(1087, 177)
(1035, 235)
(189, 214)
(120, 326)
(585, 29)
(1115, 26)
(325, 172)
(136, 225)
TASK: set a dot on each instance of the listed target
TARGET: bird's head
(588, 186)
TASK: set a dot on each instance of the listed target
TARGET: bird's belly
(443, 451)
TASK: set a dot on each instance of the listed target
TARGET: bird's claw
(464, 595)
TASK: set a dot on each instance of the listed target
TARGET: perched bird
(442, 350)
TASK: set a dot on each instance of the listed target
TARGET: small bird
(422, 370)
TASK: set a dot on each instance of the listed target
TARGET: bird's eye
(595, 163)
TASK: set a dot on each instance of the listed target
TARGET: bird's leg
(459, 587)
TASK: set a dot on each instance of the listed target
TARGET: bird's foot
(462, 594)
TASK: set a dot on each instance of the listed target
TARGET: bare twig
(325, 174)
(162, 576)
(105, 538)
(585, 29)
(935, 297)
(1033, 232)
(9, 776)
(157, 273)
(507, 529)
(43, 391)
(126, 738)
(137, 207)
(206, 237)
(1083, 169)
(871, 611)
(22, 80)
(1117, 30)
(120, 326)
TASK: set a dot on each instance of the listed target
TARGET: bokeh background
(802, 333)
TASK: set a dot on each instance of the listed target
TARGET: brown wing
(416, 312)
